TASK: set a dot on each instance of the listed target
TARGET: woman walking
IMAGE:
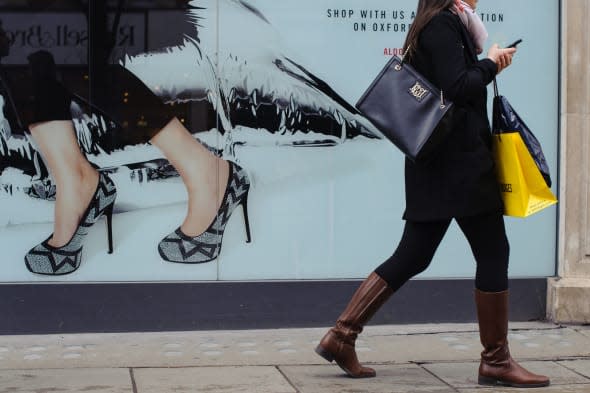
(442, 44)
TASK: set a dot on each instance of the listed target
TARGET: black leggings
(485, 233)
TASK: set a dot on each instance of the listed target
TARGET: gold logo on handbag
(418, 91)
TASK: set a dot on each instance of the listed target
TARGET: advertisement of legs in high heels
(213, 139)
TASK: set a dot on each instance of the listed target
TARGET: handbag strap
(398, 67)
(405, 54)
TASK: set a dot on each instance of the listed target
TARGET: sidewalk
(418, 358)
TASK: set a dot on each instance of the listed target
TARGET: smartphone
(514, 44)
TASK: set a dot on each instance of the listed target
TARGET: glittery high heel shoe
(55, 261)
(180, 248)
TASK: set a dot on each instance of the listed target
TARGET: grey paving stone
(379, 344)
(60, 380)
(548, 344)
(464, 375)
(211, 380)
(585, 330)
(453, 346)
(435, 328)
(402, 378)
(550, 389)
(579, 366)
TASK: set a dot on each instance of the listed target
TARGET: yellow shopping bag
(524, 191)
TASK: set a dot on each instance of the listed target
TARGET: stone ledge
(568, 300)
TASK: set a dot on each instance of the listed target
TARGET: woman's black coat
(460, 181)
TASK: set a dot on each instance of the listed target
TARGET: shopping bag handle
(496, 93)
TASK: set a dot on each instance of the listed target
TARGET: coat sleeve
(459, 80)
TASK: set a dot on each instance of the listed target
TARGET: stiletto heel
(180, 248)
(246, 220)
(109, 216)
(56, 261)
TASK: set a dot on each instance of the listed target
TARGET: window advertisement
(219, 140)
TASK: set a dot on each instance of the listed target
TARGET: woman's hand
(501, 56)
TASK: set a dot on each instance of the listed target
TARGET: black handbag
(505, 119)
(408, 110)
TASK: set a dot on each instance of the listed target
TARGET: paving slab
(400, 378)
(548, 344)
(464, 375)
(458, 346)
(434, 328)
(581, 366)
(549, 389)
(585, 330)
(277, 347)
(61, 380)
(211, 380)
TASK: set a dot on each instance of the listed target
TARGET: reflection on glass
(226, 82)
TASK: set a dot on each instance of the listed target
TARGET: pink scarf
(473, 23)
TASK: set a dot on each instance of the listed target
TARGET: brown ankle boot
(338, 343)
(497, 368)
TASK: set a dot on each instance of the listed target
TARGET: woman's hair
(427, 9)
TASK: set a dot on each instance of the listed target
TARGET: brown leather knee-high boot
(338, 343)
(497, 368)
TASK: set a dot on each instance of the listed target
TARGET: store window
(267, 85)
